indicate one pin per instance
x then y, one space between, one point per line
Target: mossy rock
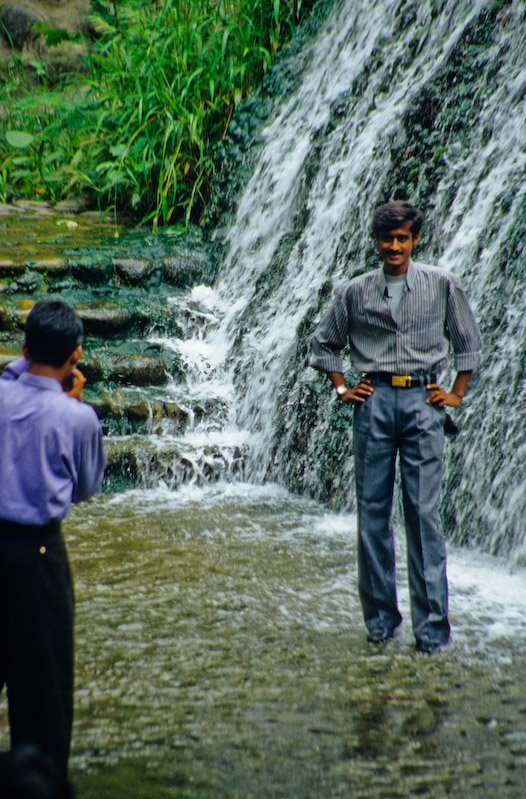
92 369
185 269
137 369
93 271
101 317
11 268
50 266
134 271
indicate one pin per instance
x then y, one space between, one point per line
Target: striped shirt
433 314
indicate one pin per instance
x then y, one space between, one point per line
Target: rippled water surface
221 652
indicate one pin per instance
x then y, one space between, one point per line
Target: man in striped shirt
400 322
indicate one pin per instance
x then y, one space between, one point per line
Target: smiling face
395 248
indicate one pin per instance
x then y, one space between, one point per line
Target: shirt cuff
467 361
327 363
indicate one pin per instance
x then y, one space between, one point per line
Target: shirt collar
410 277
38 381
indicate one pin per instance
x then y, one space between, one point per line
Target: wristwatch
341 390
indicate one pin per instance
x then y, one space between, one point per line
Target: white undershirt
395 288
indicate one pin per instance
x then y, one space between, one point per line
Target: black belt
402 381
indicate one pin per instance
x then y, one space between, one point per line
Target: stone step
146 462
181 269
119 314
123 411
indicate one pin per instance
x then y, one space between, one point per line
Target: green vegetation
138 132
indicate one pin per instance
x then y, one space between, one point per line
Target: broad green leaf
17 138
118 150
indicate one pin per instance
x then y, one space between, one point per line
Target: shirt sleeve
330 337
15 368
90 461
462 329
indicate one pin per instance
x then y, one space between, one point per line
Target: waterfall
386 100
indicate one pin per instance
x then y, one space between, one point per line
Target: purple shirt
50 448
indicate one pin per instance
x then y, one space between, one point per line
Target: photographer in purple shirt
50 456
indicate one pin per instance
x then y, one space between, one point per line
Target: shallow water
221 652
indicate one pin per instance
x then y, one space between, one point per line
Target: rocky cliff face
16 26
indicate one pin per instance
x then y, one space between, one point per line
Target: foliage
139 131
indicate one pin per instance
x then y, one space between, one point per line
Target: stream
221 652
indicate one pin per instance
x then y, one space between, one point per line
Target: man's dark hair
52 331
390 216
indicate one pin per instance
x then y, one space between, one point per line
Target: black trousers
36 638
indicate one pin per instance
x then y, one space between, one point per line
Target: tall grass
138 133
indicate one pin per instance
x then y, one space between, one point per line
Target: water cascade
388 100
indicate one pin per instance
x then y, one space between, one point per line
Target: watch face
341 390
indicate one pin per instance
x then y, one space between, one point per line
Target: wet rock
73 205
34 207
92 369
175 413
185 269
214 407
100 218
138 410
16 23
133 271
92 270
7 210
123 467
11 268
137 369
101 406
5 317
27 283
21 312
101 317
50 266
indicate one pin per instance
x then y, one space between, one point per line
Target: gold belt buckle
401 381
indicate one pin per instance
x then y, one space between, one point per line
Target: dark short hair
392 215
52 332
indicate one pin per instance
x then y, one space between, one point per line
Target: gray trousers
391 421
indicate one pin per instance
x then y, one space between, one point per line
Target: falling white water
302 223
477 205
